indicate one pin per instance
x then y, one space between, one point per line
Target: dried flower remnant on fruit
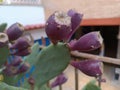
3 39
62 18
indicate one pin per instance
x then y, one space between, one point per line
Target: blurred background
99 15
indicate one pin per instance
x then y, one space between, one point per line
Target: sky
22 14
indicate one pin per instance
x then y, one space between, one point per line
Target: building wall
90 8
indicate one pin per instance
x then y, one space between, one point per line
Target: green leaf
3 27
4 52
51 61
4 86
91 86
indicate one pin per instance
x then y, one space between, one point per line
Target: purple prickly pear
61 79
61 26
92 68
76 19
16 61
15 31
87 42
23 68
23 52
3 39
10 70
21 43
58 26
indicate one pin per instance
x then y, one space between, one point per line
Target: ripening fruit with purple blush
61 79
87 42
21 43
15 31
92 68
3 39
17 60
76 19
58 26
23 68
23 52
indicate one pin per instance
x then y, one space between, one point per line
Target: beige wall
90 8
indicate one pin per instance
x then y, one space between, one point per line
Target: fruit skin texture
21 43
15 31
92 68
58 26
87 42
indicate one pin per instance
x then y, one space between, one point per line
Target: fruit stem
76 79
31 87
60 87
99 81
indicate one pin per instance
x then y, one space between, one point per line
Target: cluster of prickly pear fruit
18 46
60 26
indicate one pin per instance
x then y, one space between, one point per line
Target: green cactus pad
52 61
4 86
4 53
3 27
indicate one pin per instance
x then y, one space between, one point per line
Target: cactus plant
30 67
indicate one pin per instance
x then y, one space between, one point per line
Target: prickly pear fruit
15 31
87 42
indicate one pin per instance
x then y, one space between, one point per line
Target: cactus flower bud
21 43
23 52
15 31
61 79
23 68
87 42
92 68
58 26
3 39
76 19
